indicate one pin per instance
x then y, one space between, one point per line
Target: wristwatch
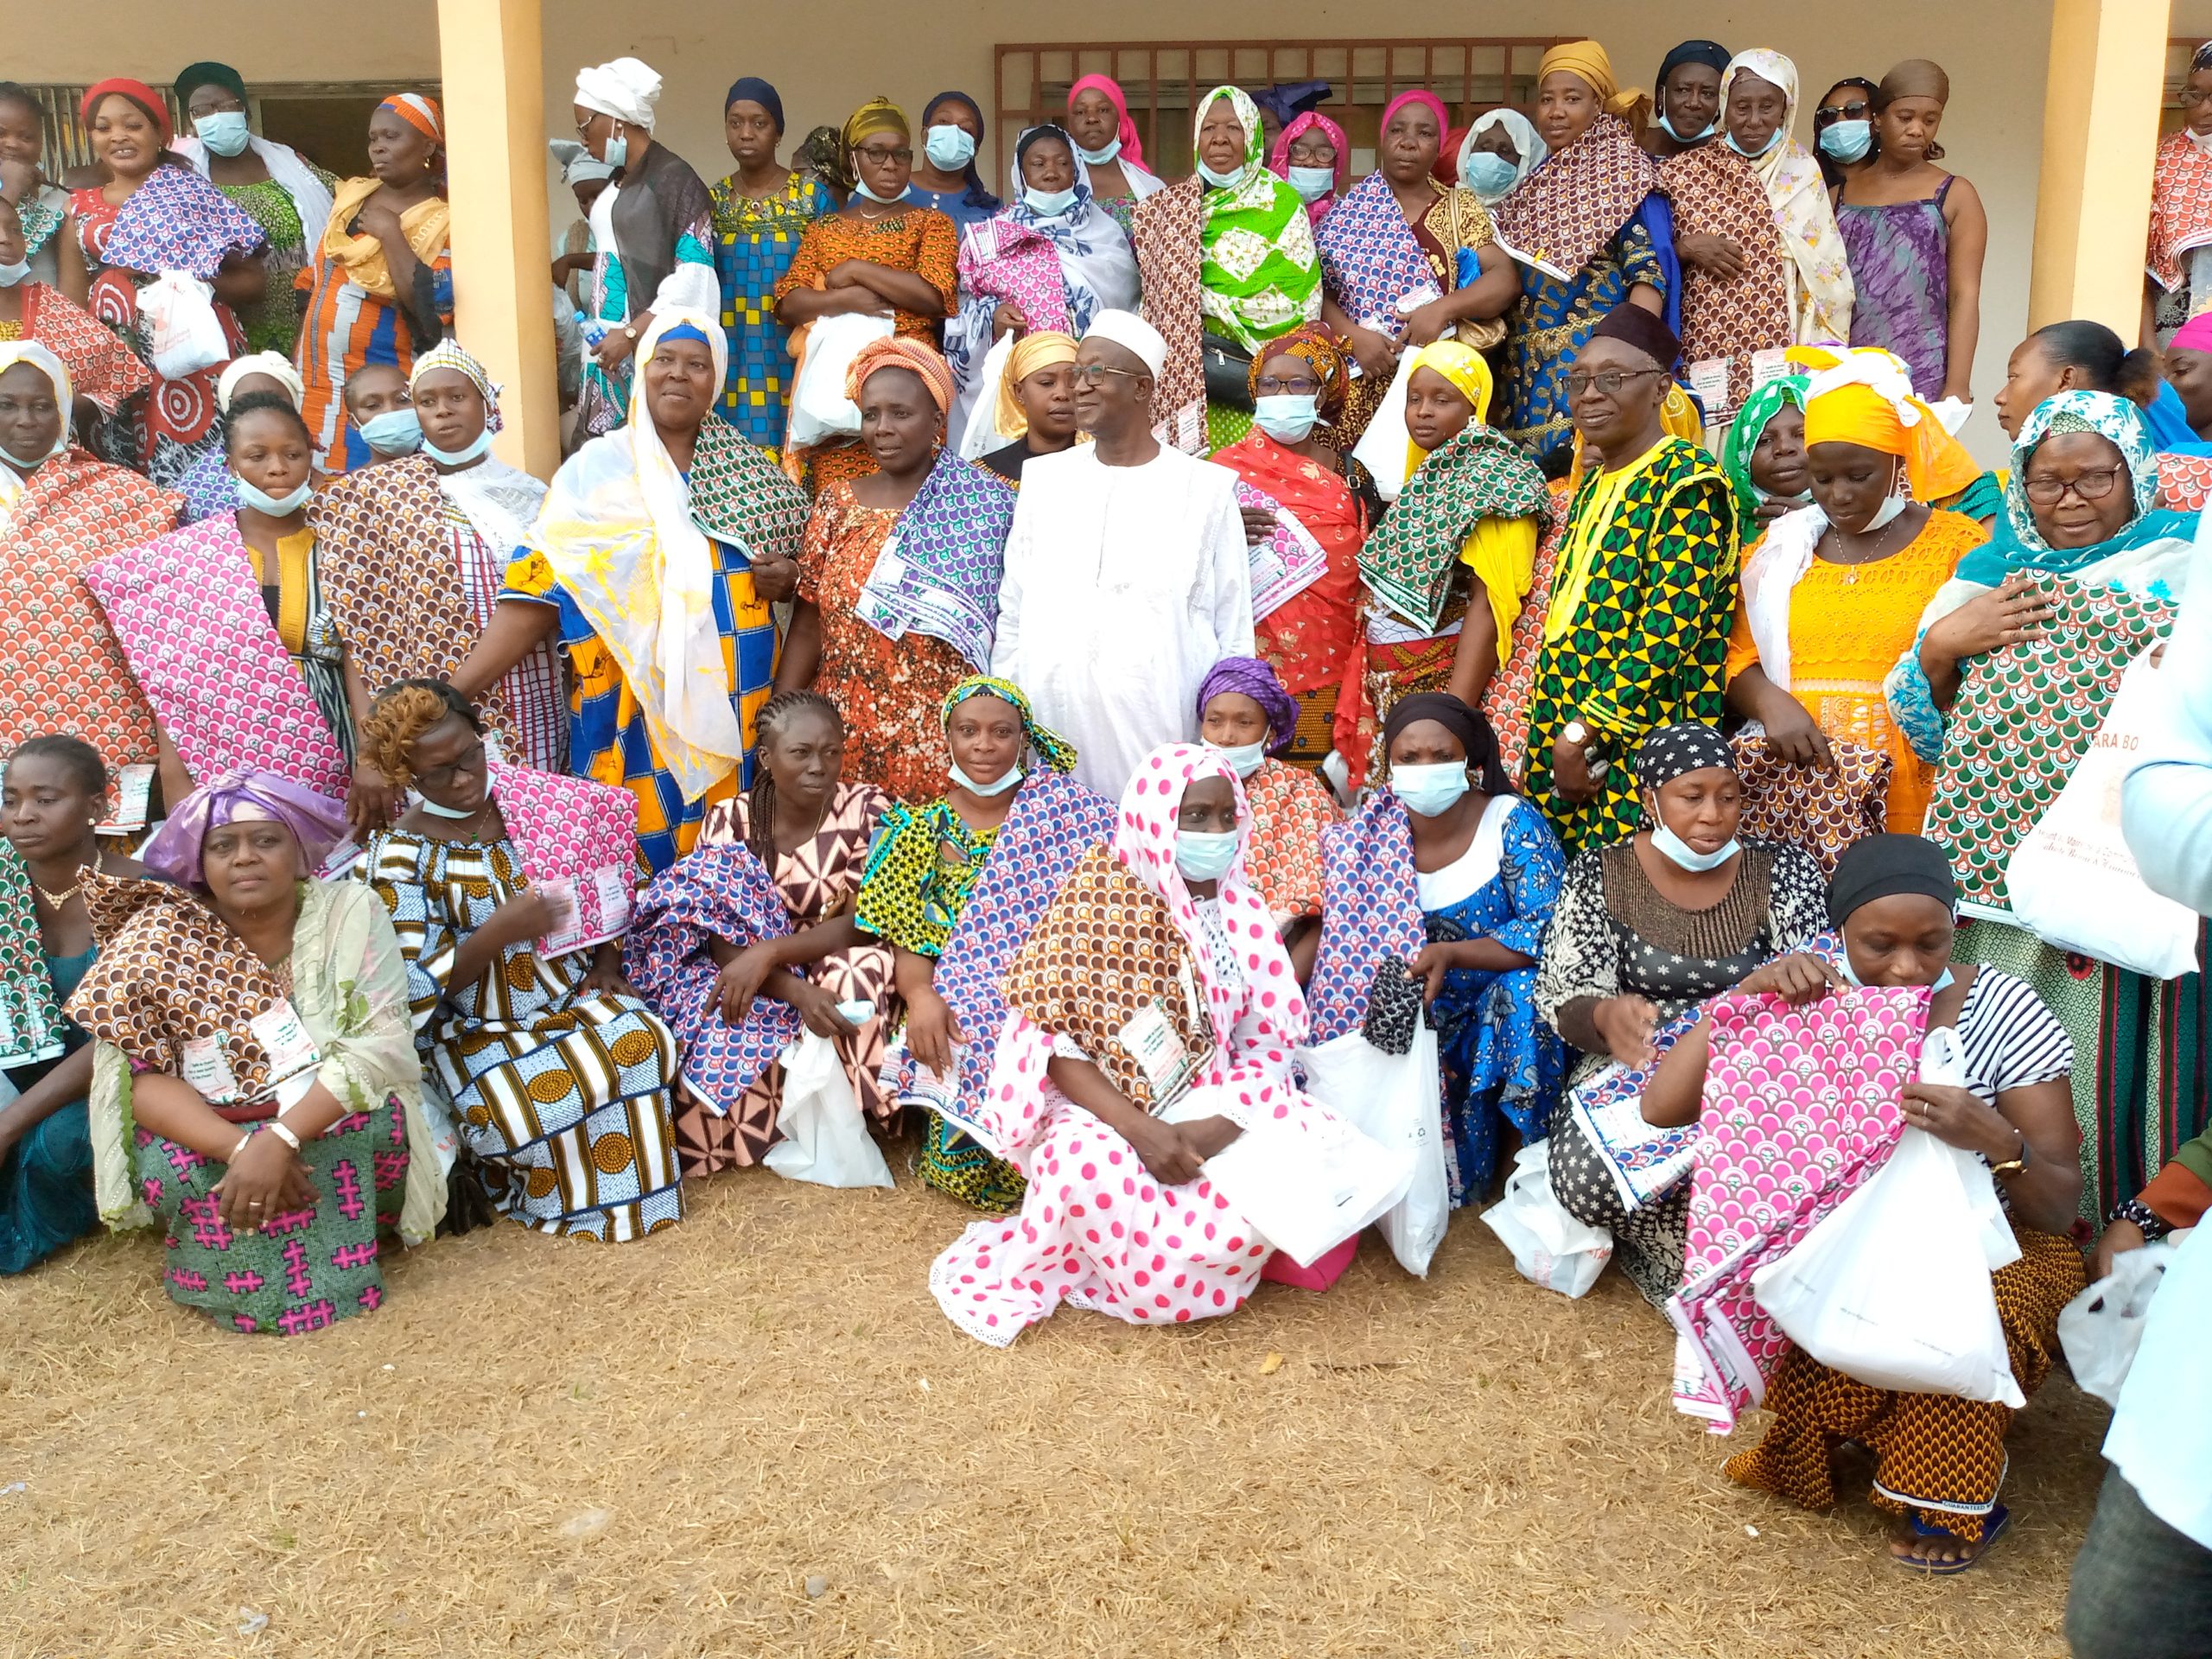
1577 734
630 333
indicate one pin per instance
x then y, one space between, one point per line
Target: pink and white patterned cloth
578 833
1288 562
1095 1228
1801 1106
188 611
1000 260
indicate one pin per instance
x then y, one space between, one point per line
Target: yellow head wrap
1031 353
1864 396
877 115
1589 60
1465 368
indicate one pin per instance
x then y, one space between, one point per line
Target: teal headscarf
2018 545
1055 751
1744 433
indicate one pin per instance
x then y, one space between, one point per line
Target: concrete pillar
491 57
2100 136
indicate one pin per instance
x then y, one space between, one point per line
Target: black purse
1229 370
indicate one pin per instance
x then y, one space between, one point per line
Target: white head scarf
1132 333
275 365
616 527
13 351
1528 143
625 89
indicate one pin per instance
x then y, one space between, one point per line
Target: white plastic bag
980 436
820 408
1382 448
184 335
1398 1100
2102 1328
1550 1247
1892 1288
1305 1188
2072 881
824 1142
1943 1060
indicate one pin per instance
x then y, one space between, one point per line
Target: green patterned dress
272 322
1637 635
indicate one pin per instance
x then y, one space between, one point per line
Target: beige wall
825 57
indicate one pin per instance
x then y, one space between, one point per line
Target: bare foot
1941 1549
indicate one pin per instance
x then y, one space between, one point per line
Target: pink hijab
1131 150
1419 95
1279 162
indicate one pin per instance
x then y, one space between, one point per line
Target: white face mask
1885 514
1245 758
1100 158
997 785
949 148
1680 852
1049 204
475 450
1206 856
1219 180
277 506
1312 183
1943 980
1286 416
1430 792
617 151
11 275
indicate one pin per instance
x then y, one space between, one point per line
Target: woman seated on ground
274 1150
752 936
1295 455
558 1074
1938 1459
1011 816
414 554
1451 565
2028 642
1831 594
1034 407
54 792
1160 929
1486 870
1243 714
1645 929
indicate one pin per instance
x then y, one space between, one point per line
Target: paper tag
7 1025
1769 366
1413 298
615 887
562 892
207 1071
285 1038
294 1089
1709 379
1153 1044
134 795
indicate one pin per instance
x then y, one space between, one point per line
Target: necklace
55 900
1852 563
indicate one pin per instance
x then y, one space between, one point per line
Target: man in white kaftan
1127 571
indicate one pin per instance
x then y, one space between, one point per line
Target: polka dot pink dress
1096 1229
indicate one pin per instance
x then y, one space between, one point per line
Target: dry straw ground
550 1449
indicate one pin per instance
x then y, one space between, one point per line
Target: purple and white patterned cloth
1370 911
1368 257
939 570
177 221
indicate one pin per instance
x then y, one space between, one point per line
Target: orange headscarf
1864 394
897 353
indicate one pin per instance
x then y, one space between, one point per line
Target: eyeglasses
1269 386
882 157
2193 95
1607 382
1827 118
2092 485
1090 374
470 763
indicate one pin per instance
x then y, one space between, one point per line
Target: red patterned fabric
1821 811
99 366
2181 208
61 669
1715 193
2184 482
1166 235
1308 639
1283 854
1505 705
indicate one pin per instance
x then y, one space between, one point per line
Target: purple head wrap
1250 676
316 821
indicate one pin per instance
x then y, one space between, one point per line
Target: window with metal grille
1164 80
327 121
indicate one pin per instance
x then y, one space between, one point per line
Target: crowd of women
1628 678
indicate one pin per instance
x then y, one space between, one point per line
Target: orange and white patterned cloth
1282 853
2181 212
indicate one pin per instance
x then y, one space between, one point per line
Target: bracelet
2154 1225
276 1127
233 1155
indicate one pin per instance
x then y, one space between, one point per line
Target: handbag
1393 1007
1229 371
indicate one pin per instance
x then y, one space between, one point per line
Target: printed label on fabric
134 794
1709 379
207 1071
284 1036
1769 366
615 887
1152 1043
568 934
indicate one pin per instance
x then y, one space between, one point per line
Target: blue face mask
1245 758
1204 857
1680 852
224 131
1943 980
1286 416
1312 183
1753 155
861 187
1100 158
1219 180
1847 141
395 432
1667 122
997 785
477 447
617 151
1488 175
11 275
277 506
1049 204
950 148
1429 791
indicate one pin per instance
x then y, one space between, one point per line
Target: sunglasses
1827 116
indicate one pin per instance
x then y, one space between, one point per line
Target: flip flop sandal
1992 1530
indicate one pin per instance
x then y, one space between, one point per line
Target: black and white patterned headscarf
1670 751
